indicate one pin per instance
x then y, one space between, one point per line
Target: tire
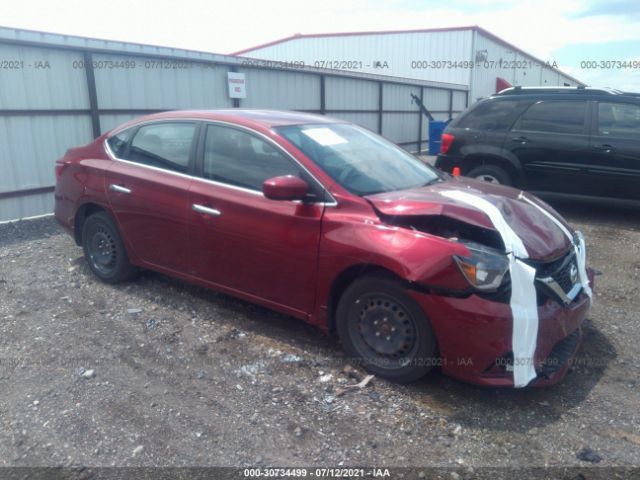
491 174
104 250
402 347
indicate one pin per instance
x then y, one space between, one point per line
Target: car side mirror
286 187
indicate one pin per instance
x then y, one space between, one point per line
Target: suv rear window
554 116
619 120
494 114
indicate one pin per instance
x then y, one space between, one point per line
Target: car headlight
484 268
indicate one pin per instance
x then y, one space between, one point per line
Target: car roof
245 117
564 93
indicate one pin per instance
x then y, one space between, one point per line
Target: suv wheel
385 331
104 250
491 174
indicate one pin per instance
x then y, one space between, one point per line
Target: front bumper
474 337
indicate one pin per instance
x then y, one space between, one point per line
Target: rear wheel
491 174
104 250
385 331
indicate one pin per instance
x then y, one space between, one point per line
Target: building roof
35 38
475 28
347 34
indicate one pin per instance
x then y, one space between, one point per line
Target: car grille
558 280
553 281
562 272
563 277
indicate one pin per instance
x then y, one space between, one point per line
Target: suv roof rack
519 90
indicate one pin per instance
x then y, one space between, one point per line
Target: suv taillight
446 141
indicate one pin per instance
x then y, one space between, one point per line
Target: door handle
522 140
119 188
605 146
206 210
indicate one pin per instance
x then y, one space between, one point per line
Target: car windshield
359 160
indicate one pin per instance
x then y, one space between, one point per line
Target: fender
492 152
349 242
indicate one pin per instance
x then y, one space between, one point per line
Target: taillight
445 142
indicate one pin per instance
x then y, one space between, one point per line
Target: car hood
541 236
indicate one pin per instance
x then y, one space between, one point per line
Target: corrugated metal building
59 91
467 56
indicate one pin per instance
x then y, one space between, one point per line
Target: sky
567 32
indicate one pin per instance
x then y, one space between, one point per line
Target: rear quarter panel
81 181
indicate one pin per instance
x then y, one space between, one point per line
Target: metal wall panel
484 78
346 94
29 147
562 79
82 43
282 90
400 127
535 73
150 83
390 54
21 207
367 120
107 122
37 78
549 77
440 117
459 101
436 99
398 97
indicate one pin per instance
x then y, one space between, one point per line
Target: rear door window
493 115
619 120
554 116
118 142
163 145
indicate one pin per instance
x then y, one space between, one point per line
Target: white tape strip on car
580 248
524 307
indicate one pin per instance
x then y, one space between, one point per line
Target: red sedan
328 222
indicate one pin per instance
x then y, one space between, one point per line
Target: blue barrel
435 135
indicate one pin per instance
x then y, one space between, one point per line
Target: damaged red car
328 222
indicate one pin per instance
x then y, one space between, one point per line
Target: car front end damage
475 335
519 321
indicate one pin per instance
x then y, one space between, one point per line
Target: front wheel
385 331
104 250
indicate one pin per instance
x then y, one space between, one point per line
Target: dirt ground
158 372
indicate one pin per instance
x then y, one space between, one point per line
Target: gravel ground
159 372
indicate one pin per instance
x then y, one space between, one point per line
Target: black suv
569 141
